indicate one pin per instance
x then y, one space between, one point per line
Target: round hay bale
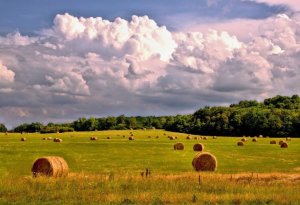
108 138
179 146
254 140
23 139
149 136
52 166
198 147
44 138
288 139
240 143
273 142
157 137
260 136
204 161
214 137
243 139
204 138
188 137
280 142
172 138
49 138
195 138
57 140
284 145
131 138
93 138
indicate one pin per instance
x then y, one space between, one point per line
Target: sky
94 58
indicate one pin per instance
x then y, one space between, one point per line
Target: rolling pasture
109 171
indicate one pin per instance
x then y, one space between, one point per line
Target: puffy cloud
140 37
16 39
6 76
91 66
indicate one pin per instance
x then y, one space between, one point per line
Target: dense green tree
2 128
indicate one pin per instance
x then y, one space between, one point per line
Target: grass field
107 171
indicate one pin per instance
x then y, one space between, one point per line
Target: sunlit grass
108 171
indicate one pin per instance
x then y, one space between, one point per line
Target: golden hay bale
157 137
198 147
284 145
23 139
108 138
52 166
172 138
93 138
179 146
280 142
49 138
195 138
254 140
243 139
204 161
273 142
57 140
204 138
288 139
214 137
149 136
131 138
240 143
260 136
188 137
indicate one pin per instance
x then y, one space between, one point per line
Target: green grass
121 155
108 171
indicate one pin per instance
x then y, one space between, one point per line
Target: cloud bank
95 67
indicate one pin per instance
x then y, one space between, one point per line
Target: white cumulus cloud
6 75
92 66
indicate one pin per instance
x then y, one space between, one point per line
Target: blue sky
61 60
32 15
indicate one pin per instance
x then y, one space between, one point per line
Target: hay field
110 170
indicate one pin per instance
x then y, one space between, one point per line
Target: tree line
277 116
